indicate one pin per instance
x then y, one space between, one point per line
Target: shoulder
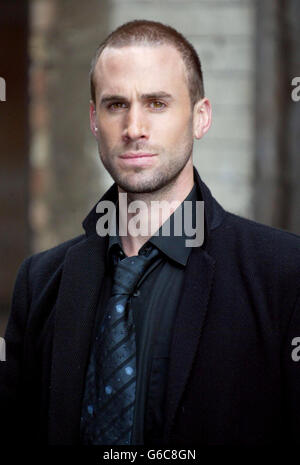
260 235
43 267
37 283
54 256
261 250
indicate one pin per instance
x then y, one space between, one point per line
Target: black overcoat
234 374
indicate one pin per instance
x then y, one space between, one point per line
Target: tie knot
129 271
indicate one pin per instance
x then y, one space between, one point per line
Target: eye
157 105
116 106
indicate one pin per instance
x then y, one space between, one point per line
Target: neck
140 220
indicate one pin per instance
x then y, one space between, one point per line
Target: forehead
142 67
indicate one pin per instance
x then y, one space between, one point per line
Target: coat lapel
189 321
75 312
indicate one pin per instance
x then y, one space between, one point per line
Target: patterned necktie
109 401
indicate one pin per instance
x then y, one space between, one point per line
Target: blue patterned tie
109 401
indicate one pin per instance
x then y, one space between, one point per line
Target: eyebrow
153 95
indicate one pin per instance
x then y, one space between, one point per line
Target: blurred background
51 175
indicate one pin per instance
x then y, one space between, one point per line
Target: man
208 335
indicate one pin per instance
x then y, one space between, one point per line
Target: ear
202 117
93 119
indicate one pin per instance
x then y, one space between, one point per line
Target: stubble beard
160 179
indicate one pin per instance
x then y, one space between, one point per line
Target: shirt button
136 293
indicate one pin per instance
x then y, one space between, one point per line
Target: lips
132 155
138 159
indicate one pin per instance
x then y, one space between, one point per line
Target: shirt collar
172 246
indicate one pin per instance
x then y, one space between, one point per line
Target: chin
144 181
138 187
143 185
136 184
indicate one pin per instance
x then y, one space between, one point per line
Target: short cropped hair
139 32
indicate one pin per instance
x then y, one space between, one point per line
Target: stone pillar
67 177
277 192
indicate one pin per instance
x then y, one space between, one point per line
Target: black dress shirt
154 305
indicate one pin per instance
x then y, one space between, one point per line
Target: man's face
143 120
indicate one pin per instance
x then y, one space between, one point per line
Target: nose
135 124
